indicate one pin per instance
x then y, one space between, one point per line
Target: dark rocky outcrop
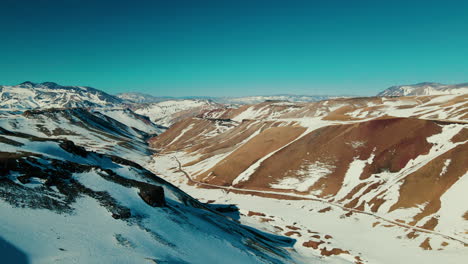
224 208
153 195
72 148
122 214
24 179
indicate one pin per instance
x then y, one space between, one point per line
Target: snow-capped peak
425 88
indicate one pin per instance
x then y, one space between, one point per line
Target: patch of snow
304 178
452 209
444 169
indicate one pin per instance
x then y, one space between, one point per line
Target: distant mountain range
146 98
142 98
29 95
425 88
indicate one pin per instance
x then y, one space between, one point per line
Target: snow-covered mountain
30 95
60 203
425 88
119 133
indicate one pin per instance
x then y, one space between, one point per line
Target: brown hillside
261 145
394 141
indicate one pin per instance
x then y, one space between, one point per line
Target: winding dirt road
417 229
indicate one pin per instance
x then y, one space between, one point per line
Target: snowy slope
425 88
30 95
63 204
132 119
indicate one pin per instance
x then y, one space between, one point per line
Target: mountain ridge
425 88
29 95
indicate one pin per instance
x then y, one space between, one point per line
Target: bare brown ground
461 136
333 251
324 210
252 213
278 228
412 235
198 128
426 245
312 244
290 233
430 224
358 260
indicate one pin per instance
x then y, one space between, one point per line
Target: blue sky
234 48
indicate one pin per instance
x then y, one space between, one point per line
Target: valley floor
329 232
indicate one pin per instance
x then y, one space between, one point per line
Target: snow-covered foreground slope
62 204
383 163
30 95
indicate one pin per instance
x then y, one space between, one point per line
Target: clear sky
234 48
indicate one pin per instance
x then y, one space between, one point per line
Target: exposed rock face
224 208
72 148
153 195
122 214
